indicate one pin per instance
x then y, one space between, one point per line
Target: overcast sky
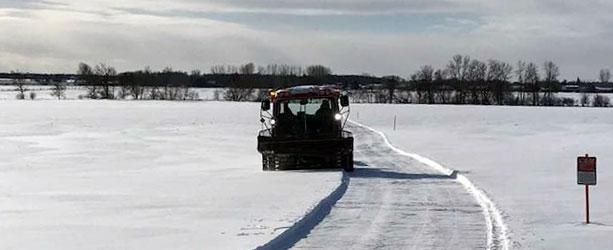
351 36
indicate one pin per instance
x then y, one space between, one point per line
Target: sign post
586 175
587 204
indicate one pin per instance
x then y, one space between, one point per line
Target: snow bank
143 175
522 157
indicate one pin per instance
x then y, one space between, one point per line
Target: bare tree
601 101
604 76
168 91
218 69
551 73
318 71
285 70
444 92
585 99
247 69
425 91
532 79
297 71
476 76
272 69
458 68
426 73
238 94
498 75
20 83
59 89
502 71
188 92
261 70
106 79
86 75
391 84
232 69
520 72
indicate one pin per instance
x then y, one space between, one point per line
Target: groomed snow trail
396 202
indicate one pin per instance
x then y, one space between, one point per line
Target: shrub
32 95
585 99
567 101
238 94
601 101
192 96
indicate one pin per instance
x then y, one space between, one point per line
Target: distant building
570 88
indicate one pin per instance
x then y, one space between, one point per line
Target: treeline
463 80
471 81
103 81
272 69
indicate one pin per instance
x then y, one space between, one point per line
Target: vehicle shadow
359 163
386 174
314 170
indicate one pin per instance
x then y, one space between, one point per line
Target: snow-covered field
43 92
82 174
143 175
524 158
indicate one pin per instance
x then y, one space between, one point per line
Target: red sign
586 170
586 175
586 164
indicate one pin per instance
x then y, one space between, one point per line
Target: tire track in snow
302 227
497 231
396 202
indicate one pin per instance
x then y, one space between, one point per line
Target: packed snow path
395 202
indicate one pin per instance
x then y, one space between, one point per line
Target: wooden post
394 123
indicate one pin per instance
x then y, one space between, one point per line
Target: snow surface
143 175
172 175
43 92
396 202
524 158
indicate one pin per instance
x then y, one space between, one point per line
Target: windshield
306 117
308 106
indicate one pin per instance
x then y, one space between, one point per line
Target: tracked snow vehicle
303 129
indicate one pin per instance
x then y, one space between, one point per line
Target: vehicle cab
305 128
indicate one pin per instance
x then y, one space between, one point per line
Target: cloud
353 6
30 4
49 41
352 36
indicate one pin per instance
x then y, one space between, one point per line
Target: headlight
273 121
338 117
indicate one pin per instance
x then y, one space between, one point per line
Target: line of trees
465 80
103 82
272 70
